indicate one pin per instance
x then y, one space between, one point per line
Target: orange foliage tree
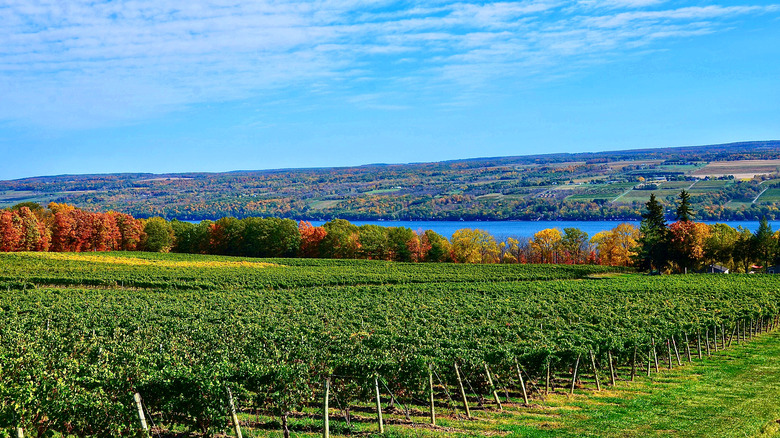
618 246
311 238
10 231
688 240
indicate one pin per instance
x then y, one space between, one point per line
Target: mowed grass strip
735 393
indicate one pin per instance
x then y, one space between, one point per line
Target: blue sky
161 86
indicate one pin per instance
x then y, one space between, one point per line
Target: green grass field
771 195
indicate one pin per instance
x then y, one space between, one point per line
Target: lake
503 229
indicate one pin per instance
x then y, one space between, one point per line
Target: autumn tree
130 231
34 236
510 250
311 239
341 240
439 248
10 231
63 227
419 247
687 241
545 245
474 246
226 236
618 246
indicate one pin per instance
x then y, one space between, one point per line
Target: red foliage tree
10 231
130 231
63 228
311 238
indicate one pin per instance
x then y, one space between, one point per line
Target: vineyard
92 343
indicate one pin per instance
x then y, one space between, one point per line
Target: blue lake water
503 229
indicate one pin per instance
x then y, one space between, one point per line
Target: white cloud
90 63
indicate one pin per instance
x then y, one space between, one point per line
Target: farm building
717 269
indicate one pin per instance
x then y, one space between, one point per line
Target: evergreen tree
684 212
764 243
654 237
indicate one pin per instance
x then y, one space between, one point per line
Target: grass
323 204
382 191
713 184
733 393
771 195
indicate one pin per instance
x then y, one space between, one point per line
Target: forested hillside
727 182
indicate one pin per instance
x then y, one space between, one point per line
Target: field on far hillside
583 186
598 351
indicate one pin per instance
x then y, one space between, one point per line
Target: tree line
682 246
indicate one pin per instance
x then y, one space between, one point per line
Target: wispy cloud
89 63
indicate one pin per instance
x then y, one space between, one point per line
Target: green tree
438 247
764 243
158 235
719 246
342 240
270 237
744 249
374 243
575 243
399 239
684 212
654 237
191 238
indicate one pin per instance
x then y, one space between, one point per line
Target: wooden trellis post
522 383
378 405
493 388
698 342
611 368
649 360
715 336
433 406
595 372
655 356
326 411
688 348
141 416
462 392
676 352
574 374
233 416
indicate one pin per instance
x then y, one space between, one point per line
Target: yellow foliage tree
474 246
545 245
618 246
